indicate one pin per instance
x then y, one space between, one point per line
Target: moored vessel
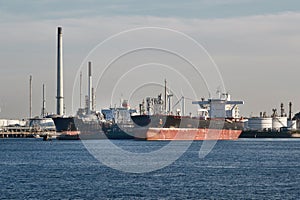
218 119
118 123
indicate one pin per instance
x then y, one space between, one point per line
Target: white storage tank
292 124
278 122
260 123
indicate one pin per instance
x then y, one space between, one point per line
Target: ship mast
182 106
80 89
165 95
90 93
44 102
30 96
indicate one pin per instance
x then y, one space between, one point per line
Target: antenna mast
30 96
80 89
44 103
165 95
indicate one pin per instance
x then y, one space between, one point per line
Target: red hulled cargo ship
191 134
217 119
171 127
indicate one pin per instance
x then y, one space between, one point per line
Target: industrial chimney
290 111
60 92
282 112
90 93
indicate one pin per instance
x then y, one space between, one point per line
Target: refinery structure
109 122
275 122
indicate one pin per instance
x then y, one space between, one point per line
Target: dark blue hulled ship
65 127
112 123
118 123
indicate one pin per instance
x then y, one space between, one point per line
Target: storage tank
278 122
260 123
292 124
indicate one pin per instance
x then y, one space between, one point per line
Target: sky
255 45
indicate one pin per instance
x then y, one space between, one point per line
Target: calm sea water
243 169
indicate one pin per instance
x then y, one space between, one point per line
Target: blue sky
255 43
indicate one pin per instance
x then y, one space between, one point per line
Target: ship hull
270 134
117 131
186 134
63 124
68 127
68 135
169 127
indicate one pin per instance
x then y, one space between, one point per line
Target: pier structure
34 127
24 132
14 132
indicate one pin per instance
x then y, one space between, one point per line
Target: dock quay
25 132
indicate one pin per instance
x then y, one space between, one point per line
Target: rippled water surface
256 169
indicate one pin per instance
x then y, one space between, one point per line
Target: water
248 169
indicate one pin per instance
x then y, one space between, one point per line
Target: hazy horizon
255 45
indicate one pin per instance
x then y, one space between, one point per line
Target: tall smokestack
290 111
60 92
282 110
90 93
